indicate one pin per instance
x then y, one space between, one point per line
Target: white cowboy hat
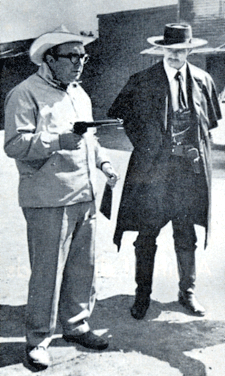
58 36
177 35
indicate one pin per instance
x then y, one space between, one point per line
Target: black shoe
89 340
139 308
189 301
38 357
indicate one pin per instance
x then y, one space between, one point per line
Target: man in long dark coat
168 111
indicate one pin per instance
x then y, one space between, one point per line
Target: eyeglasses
75 58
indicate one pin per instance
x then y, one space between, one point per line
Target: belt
180 150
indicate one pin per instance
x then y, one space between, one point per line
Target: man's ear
50 59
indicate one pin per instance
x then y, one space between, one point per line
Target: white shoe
38 356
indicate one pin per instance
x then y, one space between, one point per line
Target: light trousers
61 249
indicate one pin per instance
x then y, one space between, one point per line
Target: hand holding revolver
80 127
69 141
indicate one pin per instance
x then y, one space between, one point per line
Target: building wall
122 36
208 8
208 21
202 8
15 67
207 18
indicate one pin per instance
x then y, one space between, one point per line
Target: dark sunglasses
75 58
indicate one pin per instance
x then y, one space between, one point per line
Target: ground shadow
12 324
218 160
165 340
219 147
12 321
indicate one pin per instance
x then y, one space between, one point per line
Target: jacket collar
45 73
171 72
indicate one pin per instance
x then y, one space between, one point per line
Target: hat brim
159 41
49 40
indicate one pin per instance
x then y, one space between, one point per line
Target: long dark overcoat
143 105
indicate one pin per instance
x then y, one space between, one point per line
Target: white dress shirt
171 72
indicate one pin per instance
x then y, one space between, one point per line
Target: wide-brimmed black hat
177 35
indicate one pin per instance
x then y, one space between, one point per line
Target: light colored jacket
36 112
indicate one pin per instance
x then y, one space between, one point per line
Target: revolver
81 127
193 155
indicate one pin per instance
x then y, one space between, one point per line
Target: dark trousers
185 245
175 194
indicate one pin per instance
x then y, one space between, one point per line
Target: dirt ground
169 341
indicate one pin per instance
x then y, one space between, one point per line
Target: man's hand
110 174
69 141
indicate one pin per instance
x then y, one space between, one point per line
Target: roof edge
137 11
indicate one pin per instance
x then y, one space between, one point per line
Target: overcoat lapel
164 111
194 91
161 96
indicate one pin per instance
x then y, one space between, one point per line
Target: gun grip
80 127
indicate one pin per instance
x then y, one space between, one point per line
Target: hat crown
176 36
177 33
61 29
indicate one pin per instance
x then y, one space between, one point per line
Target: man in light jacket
168 111
57 189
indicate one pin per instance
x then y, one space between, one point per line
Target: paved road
168 341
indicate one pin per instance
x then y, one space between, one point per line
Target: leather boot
140 306
188 300
144 272
187 274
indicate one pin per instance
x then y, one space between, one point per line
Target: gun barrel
97 123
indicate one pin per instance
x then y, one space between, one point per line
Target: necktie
181 97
